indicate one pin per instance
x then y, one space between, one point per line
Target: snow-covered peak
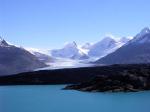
103 47
86 46
142 37
71 45
3 42
70 50
107 40
145 30
106 46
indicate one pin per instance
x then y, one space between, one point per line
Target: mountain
106 46
41 56
15 59
124 40
86 46
136 51
70 50
100 49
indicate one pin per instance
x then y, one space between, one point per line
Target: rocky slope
41 56
15 59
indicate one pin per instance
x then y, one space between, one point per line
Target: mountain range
136 51
108 50
99 49
105 46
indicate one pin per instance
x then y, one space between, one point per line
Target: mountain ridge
136 50
15 59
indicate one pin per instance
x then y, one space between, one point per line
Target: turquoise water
52 99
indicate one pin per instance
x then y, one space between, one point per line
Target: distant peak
72 44
124 39
3 42
145 30
86 46
142 37
108 39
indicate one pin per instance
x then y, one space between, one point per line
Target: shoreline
113 78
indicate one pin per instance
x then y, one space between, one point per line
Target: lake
50 98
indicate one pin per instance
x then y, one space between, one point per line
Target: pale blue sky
51 23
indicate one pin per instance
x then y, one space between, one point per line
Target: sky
48 24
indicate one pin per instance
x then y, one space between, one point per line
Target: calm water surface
51 98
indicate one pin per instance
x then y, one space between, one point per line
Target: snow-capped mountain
142 37
136 50
15 59
106 46
100 49
86 46
70 50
